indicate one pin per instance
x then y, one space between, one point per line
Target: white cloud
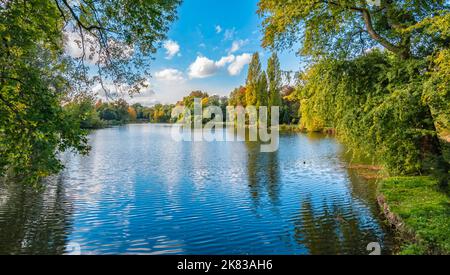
172 48
169 75
146 96
237 45
239 63
218 29
145 92
202 67
225 60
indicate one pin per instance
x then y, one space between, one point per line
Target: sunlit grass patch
424 210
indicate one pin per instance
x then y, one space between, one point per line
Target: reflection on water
139 192
34 221
263 173
345 232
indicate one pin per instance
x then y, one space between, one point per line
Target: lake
141 192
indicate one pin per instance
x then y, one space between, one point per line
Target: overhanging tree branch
77 19
402 51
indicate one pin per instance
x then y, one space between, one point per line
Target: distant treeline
261 89
93 114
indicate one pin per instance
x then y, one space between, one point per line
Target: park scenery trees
378 76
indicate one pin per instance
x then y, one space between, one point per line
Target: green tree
139 109
121 109
238 97
37 78
381 114
108 113
275 80
253 78
188 101
83 111
262 91
345 28
161 113
289 113
33 124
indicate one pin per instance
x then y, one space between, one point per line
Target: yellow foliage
132 113
310 120
205 101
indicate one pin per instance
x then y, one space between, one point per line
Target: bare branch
77 19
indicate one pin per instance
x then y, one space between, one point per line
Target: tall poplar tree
263 96
275 80
253 78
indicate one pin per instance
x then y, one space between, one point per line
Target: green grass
424 210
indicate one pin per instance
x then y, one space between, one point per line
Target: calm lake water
140 192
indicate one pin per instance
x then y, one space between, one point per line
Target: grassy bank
421 213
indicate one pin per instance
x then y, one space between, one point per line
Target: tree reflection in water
34 221
263 174
344 233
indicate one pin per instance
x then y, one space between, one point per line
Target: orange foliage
132 113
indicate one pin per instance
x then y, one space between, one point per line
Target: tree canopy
347 28
37 76
253 78
275 80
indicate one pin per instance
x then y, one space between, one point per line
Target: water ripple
139 192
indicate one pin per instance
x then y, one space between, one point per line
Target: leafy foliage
37 77
83 111
375 104
379 74
161 113
116 112
253 79
262 91
345 28
33 124
275 80
117 36
238 97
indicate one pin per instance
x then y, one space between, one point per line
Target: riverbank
419 211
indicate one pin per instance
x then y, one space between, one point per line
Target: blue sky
208 49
